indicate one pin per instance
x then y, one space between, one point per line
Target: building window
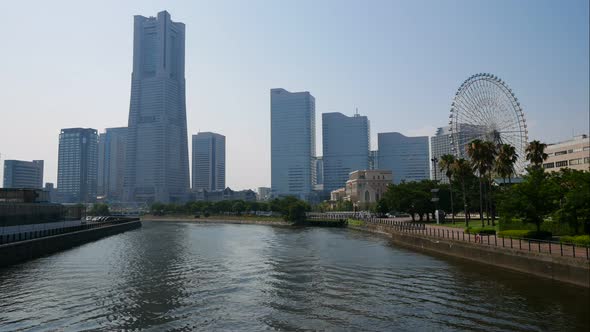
549 165
559 153
576 161
586 148
587 160
561 163
367 196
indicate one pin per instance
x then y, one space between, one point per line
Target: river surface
170 276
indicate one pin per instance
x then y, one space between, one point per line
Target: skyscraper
292 128
23 174
440 144
208 161
112 145
346 147
157 147
77 165
406 157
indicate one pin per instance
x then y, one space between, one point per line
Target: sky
68 64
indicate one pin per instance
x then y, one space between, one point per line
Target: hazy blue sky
68 64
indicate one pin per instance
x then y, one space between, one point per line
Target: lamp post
434 161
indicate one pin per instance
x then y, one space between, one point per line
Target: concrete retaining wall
13 253
565 269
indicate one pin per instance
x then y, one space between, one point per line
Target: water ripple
182 277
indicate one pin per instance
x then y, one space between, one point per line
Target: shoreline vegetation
248 220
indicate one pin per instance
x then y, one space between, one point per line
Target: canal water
182 276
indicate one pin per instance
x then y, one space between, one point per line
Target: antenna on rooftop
356 111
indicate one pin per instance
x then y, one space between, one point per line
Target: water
183 276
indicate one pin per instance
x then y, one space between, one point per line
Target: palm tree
535 153
462 169
446 165
505 161
482 155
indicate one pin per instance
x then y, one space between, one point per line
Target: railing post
495 240
511 242
539 243
550 247
529 241
574 249
561 248
502 242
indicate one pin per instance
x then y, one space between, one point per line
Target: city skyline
545 61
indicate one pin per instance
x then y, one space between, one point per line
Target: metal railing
30 235
522 244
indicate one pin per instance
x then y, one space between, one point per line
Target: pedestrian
477 238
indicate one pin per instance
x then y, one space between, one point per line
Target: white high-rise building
208 161
407 157
77 165
292 118
112 145
157 149
346 146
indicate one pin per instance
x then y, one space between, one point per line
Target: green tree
574 198
238 207
296 212
535 153
99 209
482 155
446 165
505 161
462 171
532 200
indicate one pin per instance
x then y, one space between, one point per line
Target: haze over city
399 63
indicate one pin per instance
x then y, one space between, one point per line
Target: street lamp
434 163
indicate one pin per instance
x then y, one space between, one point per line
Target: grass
583 240
354 222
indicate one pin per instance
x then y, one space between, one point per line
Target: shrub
525 234
479 230
583 240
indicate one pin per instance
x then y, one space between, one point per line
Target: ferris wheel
485 108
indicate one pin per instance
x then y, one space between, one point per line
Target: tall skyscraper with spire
156 168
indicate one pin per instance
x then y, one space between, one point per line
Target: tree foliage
99 209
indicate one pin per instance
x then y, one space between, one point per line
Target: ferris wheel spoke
485 108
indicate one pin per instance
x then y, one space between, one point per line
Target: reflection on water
182 276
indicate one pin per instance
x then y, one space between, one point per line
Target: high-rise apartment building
208 161
292 118
407 157
112 149
157 149
346 146
23 174
77 165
